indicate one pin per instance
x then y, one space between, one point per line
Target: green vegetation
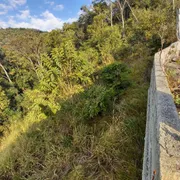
73 101
172 69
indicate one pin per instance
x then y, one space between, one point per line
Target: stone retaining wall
162 141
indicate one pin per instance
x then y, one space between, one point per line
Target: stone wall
162 141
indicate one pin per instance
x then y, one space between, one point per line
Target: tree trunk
121 8
131 10
174 5
111 14
123 23
5 73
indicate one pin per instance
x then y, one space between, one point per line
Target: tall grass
63 146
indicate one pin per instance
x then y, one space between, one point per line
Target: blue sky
39 14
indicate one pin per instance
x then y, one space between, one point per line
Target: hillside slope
73 101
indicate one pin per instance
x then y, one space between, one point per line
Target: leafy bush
116 76
98 98
93 101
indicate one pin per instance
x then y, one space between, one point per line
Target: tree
28 46
6 73
3 68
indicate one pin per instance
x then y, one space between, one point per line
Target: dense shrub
96 99
116 76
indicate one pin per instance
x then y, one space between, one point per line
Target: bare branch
131 10
5 73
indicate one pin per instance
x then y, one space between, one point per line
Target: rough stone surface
162 140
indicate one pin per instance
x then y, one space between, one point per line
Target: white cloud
3 12
70 20
4 8
10 4
3 24
15 3
55 7
24 14
48 15
59 7
49 2
46 22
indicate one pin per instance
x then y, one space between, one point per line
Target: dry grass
110 147
64 148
